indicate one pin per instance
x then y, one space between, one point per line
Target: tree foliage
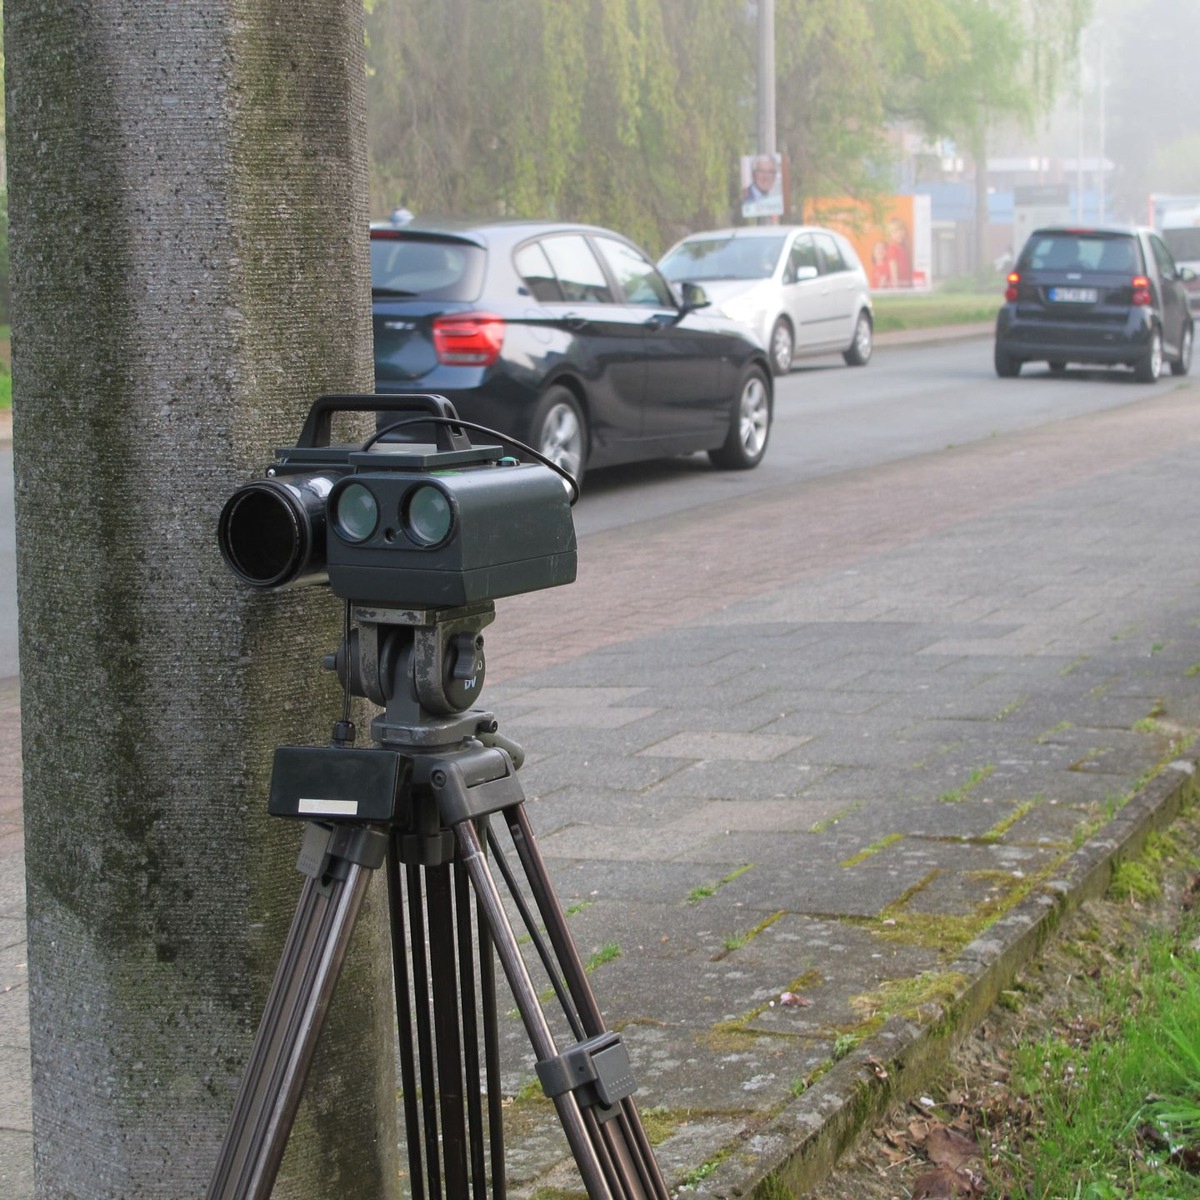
1149 48
634 113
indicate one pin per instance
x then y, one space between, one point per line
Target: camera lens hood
272 531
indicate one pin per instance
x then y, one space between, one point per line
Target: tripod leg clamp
327 850
597 1070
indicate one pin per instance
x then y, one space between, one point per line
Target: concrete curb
800 1146
935 335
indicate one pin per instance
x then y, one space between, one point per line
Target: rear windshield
1184 244
1080 252
724 258
432 268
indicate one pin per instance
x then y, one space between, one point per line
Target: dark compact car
568 338
1103 295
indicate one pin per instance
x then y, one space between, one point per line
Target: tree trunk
188 229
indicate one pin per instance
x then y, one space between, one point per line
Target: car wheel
783 347
1149 367
1007 367
750 426
560 431
859 353
1183 364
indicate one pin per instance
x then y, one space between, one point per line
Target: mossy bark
188 217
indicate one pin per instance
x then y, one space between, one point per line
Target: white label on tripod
317 808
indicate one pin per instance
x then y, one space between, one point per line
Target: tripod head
424 667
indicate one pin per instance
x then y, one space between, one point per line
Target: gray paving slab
860 785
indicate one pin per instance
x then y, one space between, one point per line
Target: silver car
800 288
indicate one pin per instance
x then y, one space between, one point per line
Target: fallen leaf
948 1148
918 1130
1187 1158
942 1184
794 1001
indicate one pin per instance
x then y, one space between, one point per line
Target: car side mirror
694 296
1186 275
803 273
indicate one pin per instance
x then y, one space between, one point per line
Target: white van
1181 233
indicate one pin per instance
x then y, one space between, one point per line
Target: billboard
893 236
762 185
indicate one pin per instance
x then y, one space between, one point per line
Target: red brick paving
678 570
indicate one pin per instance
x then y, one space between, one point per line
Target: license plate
1065 295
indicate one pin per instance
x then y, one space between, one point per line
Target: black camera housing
400 523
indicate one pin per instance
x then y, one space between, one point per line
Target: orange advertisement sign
893 237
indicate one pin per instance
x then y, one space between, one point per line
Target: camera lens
261 537
356 513
428 516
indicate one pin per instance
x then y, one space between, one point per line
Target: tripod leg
632 1148
491 1049
424 1030
297 1006
404 1024
446 1001
470 1029
540 1037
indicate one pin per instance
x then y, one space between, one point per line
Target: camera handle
449 436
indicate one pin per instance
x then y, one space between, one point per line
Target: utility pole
766 76
1102 155
766 89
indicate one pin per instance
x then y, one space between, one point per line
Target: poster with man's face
762 185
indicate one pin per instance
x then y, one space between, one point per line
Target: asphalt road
828 418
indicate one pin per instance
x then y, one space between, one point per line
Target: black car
1102 295
567 338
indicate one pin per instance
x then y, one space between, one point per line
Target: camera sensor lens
356 513
428 516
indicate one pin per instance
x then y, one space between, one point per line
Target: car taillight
1010 292
1141 290
468 339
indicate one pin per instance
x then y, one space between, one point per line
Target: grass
976 777
5 369
924 310
1121 1110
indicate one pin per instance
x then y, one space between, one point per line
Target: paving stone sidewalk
856 741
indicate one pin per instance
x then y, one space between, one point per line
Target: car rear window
1100 252
724 258
405 264
580 276
640 282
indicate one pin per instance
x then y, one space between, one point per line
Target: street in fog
828 418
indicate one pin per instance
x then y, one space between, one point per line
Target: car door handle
661 320
575 321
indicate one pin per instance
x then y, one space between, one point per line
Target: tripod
421 805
